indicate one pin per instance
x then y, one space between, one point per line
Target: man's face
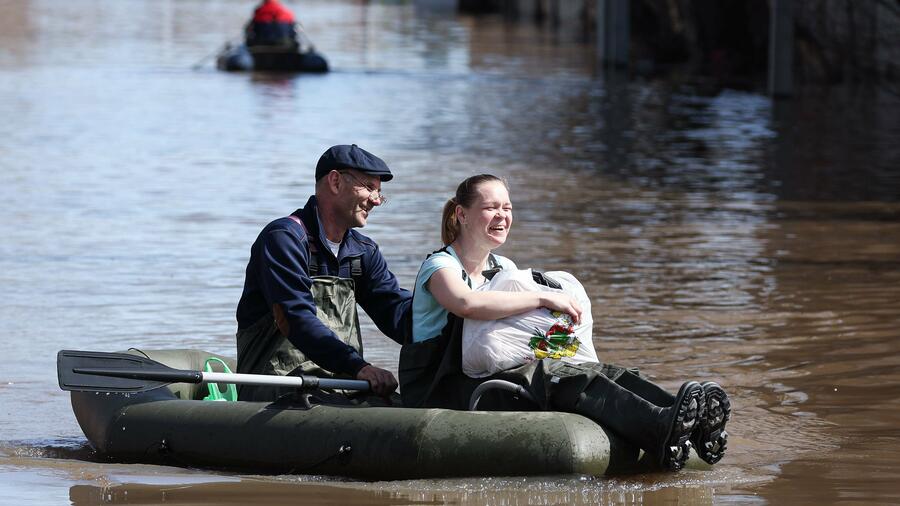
360 193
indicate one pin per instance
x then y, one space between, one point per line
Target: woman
475 222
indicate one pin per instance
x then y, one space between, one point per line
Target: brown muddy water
720 236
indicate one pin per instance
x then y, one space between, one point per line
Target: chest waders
430 371
263 349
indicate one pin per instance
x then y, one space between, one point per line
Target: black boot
710 437
680 421
661 432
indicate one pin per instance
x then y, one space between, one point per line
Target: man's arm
388 305
285 283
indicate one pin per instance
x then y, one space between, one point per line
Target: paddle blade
92 371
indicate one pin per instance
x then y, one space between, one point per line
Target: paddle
95 371
301 31
202 61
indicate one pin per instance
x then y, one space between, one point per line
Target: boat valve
344 453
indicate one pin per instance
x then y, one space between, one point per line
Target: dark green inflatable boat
270 59
173 425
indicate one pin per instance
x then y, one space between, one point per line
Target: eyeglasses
374 193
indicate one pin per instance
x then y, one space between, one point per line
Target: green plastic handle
214 393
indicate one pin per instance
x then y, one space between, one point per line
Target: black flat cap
343 156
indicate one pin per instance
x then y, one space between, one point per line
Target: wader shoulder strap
542 279
313 249
356 267
493 266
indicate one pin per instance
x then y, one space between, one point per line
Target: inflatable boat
171 424
270 59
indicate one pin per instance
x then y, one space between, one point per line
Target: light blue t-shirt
429 317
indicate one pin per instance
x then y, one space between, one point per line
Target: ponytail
449 223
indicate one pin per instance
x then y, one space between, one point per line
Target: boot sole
688 404
711 439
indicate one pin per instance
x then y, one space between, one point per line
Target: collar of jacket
353 244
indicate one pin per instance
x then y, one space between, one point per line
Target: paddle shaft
186 376
302 32
203 60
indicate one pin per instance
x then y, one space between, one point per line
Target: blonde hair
466 193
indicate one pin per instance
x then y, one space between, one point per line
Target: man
306 273
272 25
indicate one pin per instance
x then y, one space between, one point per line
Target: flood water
720 235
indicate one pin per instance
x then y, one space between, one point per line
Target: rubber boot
710 439
646 389
664 433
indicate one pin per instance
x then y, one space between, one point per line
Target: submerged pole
781 48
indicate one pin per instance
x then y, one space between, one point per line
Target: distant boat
270 59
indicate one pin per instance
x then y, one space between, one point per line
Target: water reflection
503 492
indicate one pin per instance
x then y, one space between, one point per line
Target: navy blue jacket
278 272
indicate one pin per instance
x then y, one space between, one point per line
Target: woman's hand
562 303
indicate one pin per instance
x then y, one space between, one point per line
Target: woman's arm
454 294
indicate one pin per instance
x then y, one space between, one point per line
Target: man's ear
334 181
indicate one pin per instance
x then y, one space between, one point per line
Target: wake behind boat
304 435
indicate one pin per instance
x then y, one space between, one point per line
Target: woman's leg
645 389
661 431
710 437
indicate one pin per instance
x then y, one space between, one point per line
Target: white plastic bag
491 346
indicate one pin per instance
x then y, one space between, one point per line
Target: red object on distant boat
272 11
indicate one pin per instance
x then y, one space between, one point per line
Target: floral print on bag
558 341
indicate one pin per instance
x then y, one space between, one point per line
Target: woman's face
489 218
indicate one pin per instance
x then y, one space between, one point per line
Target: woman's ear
460 215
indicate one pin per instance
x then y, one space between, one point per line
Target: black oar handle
170 376
87 371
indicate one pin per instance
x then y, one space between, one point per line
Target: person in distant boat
476 221
306 274
273 24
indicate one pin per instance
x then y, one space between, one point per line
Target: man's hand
382 381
